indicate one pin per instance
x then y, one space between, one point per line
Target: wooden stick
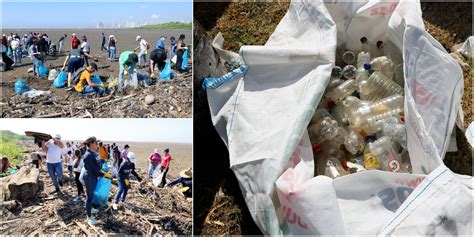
118 99
83 228
50 115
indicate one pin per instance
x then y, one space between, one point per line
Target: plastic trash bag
144 79
132 82
60 80
21 87
52 75
157 176
166 72
184 64
96 79
102 190
34 93
9 52
42 69
262 117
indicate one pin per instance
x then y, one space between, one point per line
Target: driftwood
21 185
12 204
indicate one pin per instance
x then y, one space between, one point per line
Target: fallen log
23 184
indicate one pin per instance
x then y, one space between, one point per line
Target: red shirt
166 159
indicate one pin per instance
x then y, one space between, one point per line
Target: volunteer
54 150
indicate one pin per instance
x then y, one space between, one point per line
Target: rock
149 99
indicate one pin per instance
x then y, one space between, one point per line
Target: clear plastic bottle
398 75
329 166
362 73
336 72
349 58
382 64
397 133
380 125
349 72
378 86
318 115
322 131
383 108
387 154
370 159
334 82
354 142
363 58
342 91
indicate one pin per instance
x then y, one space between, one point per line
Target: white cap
58 136
111 36
138 37
156 150
73 34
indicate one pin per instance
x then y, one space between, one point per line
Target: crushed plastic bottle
378 86
318 115
349 72
348 58
322 131
354 142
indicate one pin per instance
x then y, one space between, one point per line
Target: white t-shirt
15 44
86 47
80 166
53 155
143 44
69 159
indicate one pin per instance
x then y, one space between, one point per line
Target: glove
102 85
108 176
127 183
153 75
125 73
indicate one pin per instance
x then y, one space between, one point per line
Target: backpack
77 75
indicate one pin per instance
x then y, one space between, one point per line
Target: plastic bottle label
394 166
371 161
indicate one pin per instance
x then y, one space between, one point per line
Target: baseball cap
58 136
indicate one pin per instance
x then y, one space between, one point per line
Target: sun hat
186 173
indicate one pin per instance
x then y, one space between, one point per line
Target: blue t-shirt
125 170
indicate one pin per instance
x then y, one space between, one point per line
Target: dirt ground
172 98
148 210
221 208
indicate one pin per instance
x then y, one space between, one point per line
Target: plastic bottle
318 115
342 91
322 131
370 159
382 64
377 87
380 125
387 154
334 82
383 108
398 75
336 72
354 142
349 72
363 58
329 166
362 73
397 133
349 58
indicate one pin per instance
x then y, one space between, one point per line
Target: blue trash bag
60 80
9 52
102 190
184 64
166 73
21 87
42 69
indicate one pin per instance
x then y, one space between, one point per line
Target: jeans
35 63
61 46
80 189
121 74
17 55
69 167
142 58
90 90
151 169
112 53
55 171
122 191
91 183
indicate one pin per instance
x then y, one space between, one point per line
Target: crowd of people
78 65
92 159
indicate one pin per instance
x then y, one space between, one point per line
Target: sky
86 14
134 130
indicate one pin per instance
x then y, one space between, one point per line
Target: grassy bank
9 146
168 26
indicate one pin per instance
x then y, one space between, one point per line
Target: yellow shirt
83 80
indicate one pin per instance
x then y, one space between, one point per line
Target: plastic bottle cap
370 138
402 118
316 147
344 164
367 66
